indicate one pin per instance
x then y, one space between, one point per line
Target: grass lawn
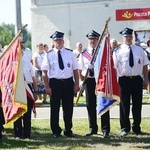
146 100
43 140
81 102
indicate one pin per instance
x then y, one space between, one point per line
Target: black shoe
69 134
105 135
124 133
45 102
55 136
91 133
139 133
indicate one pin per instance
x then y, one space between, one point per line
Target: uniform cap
126 32
93 35
57 35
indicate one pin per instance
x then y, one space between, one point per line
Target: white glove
91 66
82 86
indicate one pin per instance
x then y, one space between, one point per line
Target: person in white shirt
148 56
61 65
37 59
131 63
45 48
22 126
84 62
78 50
27 52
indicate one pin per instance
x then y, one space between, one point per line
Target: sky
8 12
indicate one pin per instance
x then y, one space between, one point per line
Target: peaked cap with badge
93 35
57 35
126 32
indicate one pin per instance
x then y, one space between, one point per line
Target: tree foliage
7 33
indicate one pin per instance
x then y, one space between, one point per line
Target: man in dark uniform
60 65
131 63
84 62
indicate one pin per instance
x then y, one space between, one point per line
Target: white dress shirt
28 71
39 58
121 60
50 63
85 62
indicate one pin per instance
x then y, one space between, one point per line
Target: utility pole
18 16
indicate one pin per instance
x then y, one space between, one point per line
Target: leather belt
61 79
131 76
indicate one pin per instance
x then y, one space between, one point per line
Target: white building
78 17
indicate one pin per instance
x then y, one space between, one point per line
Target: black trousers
62 91
2 121
130 87
105 122
22 126
91 104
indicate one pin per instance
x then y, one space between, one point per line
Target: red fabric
31 96
8 77
107 79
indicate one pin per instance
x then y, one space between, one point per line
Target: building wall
78 17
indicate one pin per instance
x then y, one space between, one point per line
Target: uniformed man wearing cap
84 62
62 66
131 63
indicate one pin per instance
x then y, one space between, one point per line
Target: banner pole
93 57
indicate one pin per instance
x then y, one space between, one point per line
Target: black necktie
93 51
131 60
60 61
91 71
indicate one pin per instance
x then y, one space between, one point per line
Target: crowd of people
59 72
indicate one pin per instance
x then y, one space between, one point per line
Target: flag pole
93 57
14 39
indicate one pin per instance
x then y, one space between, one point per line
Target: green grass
43 140
81 102
146 100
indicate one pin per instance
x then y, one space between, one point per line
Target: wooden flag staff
93 57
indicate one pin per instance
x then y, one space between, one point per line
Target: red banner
12 83
107 87
132 14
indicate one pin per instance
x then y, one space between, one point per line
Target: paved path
81 112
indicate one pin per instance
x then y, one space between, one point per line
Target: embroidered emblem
139 61
68 65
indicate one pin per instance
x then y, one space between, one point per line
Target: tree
7 33
27 38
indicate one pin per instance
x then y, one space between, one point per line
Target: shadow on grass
43 138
